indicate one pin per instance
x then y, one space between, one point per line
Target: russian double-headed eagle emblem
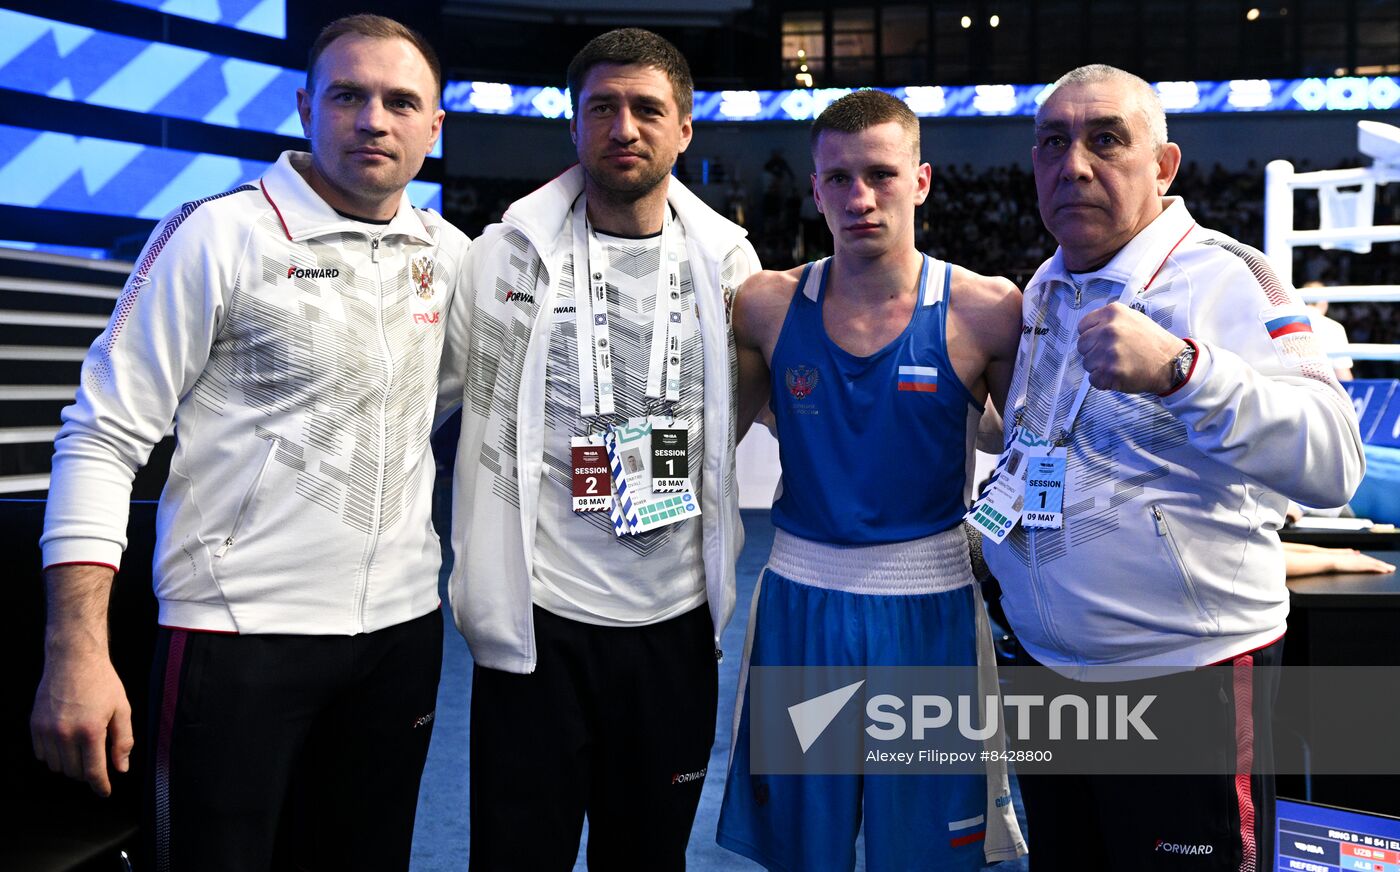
422 270
801 380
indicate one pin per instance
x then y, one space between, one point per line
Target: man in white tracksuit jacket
596 651
292 330
502 421
1203 407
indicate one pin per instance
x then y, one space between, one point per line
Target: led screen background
103 174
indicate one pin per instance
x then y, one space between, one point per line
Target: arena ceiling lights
970 101
69 62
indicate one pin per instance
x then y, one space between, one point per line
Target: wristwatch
1181 365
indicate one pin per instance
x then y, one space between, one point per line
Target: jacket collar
1155 241
305 215
541 215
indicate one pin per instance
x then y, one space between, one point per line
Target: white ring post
1278 217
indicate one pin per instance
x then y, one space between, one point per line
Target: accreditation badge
637 506
670 456
592 483
997 511
1045 488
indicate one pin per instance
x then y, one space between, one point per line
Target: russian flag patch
923 379
1291 334
967 831
1288 324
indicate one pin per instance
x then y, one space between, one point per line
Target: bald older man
1172 384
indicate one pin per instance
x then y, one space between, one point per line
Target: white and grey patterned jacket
514 278
297 354
1168 558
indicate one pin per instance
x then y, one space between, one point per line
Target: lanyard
591 319
1139 280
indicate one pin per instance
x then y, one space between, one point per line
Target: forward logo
1165 847
687 777
320 273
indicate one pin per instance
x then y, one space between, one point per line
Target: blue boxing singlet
874 449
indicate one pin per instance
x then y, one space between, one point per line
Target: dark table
1361 590
1385 539
1345 619
55 822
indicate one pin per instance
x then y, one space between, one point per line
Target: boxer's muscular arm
760 308
984 329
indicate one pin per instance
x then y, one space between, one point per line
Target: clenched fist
1124 350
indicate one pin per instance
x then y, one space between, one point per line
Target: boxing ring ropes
1347 222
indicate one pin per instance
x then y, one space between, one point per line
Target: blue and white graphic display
83 251
268 17
48 170
969 101
1319 838
83 65
68 62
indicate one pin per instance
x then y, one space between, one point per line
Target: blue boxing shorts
901 604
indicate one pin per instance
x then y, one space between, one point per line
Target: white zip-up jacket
297 353
1169 557
515 272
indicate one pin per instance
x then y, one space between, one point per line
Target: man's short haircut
1151 104
374 27
863 109
634 46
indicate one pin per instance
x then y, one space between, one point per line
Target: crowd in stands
987 220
